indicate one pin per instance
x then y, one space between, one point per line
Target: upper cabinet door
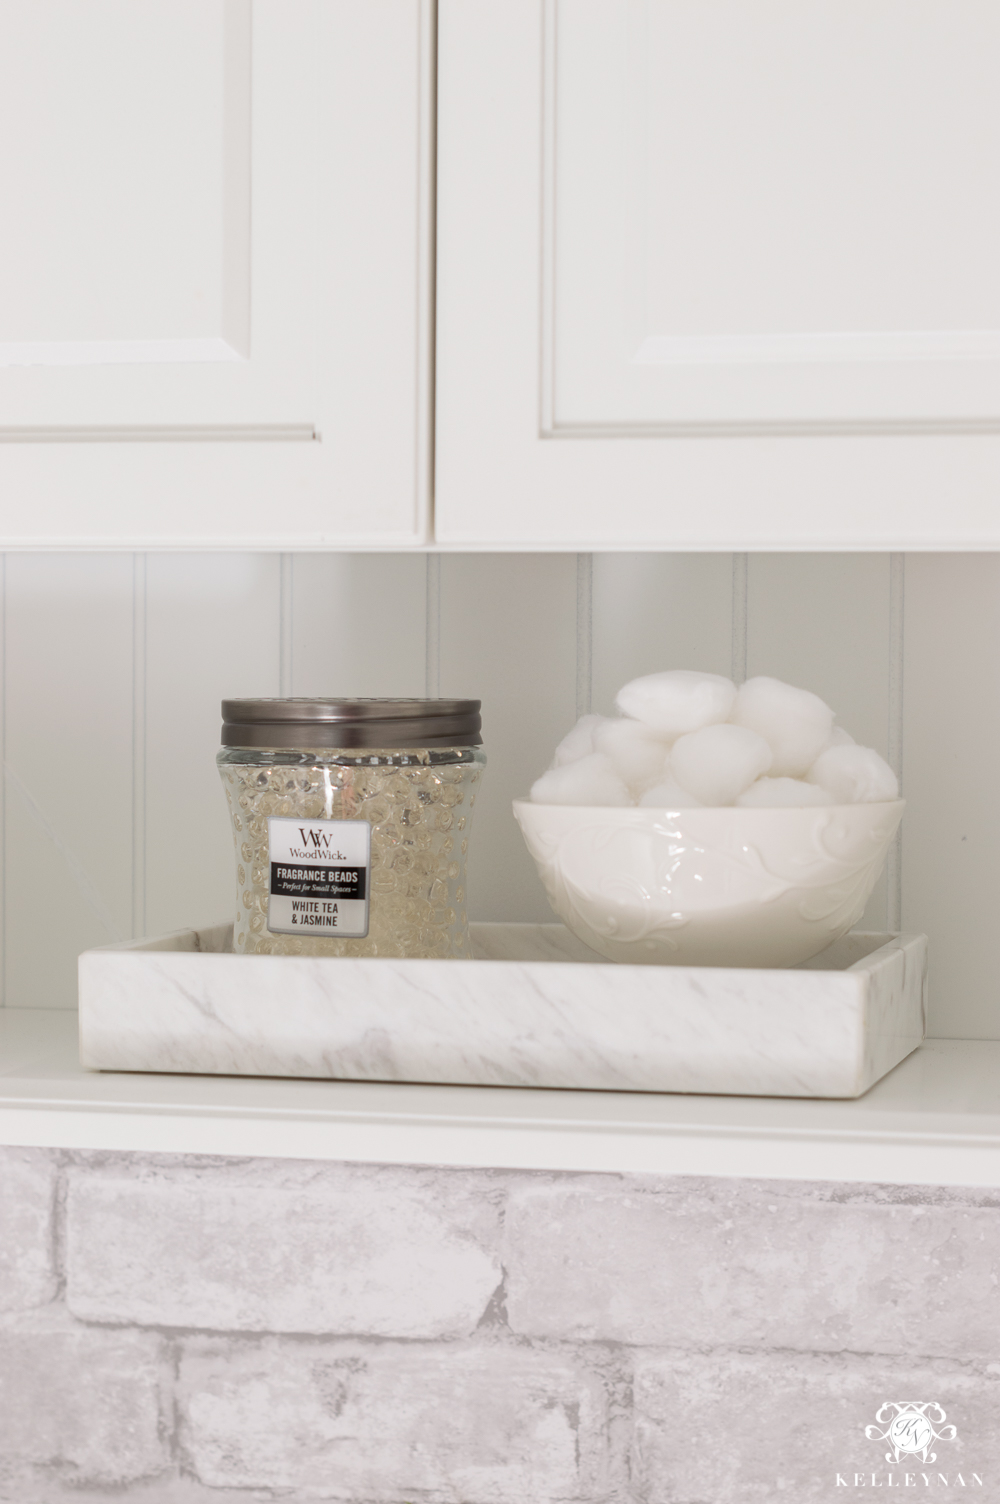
719 273
215 278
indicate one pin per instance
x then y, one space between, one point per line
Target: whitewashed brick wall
179 1331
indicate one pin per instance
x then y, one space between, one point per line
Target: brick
348 1253
753 1266
82 1403
489 1425
749 1429
27 1199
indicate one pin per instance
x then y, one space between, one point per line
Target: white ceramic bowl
709 887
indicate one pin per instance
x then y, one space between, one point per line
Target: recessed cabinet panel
214 272
772 210
719 272
125 180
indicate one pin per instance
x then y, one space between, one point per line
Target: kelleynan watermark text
909 1480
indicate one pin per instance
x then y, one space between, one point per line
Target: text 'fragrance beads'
351 824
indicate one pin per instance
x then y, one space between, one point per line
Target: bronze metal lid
306 723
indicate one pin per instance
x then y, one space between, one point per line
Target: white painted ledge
934 1120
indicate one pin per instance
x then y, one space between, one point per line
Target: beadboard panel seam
739 617
73 654
508 636
897 648
432 628
823 622
286 626
584 633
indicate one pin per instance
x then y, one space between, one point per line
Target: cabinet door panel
214 291
128 233
716 273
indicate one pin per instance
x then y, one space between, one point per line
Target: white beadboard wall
113 821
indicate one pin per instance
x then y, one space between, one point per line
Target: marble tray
536 1008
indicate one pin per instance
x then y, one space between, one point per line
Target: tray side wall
501 1023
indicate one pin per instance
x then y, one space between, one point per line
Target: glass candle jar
351 824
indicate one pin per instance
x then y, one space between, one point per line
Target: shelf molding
934 1120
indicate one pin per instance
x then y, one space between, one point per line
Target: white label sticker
319 877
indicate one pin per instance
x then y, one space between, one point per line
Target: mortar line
60 1193
738 667
897 600
432 627
584 633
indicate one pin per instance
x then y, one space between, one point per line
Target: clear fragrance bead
411 799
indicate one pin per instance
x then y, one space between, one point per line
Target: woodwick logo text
316 843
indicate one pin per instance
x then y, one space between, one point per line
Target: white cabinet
718 274
710 274
215 272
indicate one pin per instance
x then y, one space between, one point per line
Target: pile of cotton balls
684 740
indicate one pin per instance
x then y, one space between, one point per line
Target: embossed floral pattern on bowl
709 887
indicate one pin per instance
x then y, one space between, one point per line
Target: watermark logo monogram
910 1430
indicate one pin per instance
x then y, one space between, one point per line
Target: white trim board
935 1120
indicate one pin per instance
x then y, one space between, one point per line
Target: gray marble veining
536 1008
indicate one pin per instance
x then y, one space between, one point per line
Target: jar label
319 877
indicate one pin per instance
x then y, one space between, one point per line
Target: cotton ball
589 780
783 793
839 738
797 724
577 743
677 701
668 795
855 775
719 762
637 755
